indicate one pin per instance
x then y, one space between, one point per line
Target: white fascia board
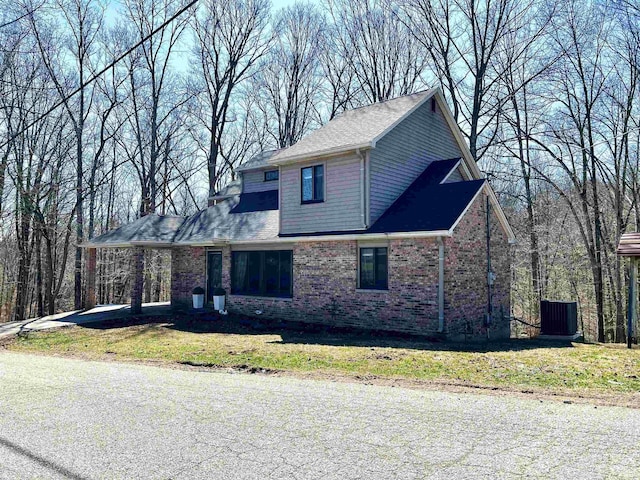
133 243
496 208
347 237
451 171
470 165
455 129
151 244
429 94
204 243
301 238
466 209
329 152
500 214
105 245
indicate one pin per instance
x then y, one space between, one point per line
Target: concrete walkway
78 317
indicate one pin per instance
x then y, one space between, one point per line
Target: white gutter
353 236
440 285
135 243
319 154
208 243
300 238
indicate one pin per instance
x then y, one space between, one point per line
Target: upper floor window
313 184
374 268
271 175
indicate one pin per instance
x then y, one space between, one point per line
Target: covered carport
629 247
149 232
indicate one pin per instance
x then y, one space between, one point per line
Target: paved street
62 418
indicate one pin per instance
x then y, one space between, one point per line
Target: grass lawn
574 369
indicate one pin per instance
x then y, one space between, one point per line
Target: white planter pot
198 301
218 302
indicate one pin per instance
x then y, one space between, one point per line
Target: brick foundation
325 281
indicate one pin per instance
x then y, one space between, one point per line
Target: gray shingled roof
229 190
256 162
353 129
214 223
148 229
217 222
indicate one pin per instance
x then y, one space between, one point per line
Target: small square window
271 175
312 185
374 268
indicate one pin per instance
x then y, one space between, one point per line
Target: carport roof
150 229
629 245
250 216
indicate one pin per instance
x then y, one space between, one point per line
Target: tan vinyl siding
341 209
401 155
253 181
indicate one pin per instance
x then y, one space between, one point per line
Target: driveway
64 418
99 313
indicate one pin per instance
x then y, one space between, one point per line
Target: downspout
440 285
367 187
363 186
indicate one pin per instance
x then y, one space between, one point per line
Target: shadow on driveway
100 313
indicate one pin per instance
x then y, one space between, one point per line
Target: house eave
348 237
134 243
329 152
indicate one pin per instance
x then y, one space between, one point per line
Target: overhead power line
122 56
16 20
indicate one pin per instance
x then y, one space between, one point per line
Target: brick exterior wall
325 283
187 272
466 276
324 288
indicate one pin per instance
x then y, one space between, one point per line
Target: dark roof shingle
257 202
425 207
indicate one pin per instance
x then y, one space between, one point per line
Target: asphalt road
62 418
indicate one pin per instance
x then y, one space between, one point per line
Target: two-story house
379 219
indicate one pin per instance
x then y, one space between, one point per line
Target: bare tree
230 38
378 47
82 23
465 40
289 79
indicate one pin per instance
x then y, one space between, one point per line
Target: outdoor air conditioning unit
558 318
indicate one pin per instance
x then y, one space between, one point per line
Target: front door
214 273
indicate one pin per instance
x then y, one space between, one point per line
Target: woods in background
545 93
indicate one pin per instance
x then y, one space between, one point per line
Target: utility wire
100 73
15 20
